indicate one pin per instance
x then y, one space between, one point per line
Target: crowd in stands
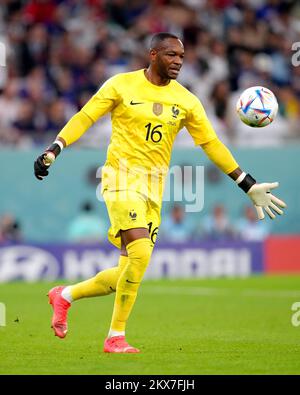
59 52
177 227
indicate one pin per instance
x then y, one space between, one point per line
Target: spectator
249 228
218 110
87 226
9 104
26 118
217 225
57 116
9 229
176 228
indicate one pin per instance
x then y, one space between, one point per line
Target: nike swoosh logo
134 103
131 282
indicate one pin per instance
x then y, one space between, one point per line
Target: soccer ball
257 106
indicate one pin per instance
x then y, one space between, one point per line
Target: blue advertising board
34 262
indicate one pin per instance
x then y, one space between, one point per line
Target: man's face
168 58
178 214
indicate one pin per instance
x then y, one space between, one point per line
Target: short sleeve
104 100
199 125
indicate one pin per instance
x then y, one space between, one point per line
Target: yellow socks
125 279
139 254
103 283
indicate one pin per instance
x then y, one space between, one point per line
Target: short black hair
158 38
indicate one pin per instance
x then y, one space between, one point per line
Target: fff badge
157 108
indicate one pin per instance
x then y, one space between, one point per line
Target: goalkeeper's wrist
245 181
56 147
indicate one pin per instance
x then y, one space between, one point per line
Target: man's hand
263 199
42 163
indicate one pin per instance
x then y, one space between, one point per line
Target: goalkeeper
148 108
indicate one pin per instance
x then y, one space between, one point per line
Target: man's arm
260 194
100 104
72 131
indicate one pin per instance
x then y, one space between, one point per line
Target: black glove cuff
55 148
247 183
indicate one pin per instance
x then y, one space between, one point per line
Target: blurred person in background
10 107
57 116
25 122
176 227
217 225
10 230
10 103
250 229
218 110
87 227
289 109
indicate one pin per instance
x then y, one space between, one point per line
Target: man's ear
153 54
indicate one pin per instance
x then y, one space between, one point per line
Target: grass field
217 326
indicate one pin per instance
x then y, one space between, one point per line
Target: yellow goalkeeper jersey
145 121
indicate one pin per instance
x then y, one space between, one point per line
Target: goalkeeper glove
261 196
44 161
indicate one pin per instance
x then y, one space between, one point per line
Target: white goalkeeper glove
261 196
263 199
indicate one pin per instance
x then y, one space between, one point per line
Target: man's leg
103 283
139 249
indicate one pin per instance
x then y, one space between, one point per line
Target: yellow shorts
130 209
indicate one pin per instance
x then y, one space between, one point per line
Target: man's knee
140 250
139 254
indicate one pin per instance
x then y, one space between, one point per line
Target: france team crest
157 108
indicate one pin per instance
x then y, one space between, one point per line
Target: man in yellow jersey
148 108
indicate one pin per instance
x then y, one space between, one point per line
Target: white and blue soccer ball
257 106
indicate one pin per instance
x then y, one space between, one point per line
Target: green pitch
217 326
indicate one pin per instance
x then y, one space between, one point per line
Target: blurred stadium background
58 53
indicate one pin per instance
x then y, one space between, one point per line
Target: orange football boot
60 310
118 344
